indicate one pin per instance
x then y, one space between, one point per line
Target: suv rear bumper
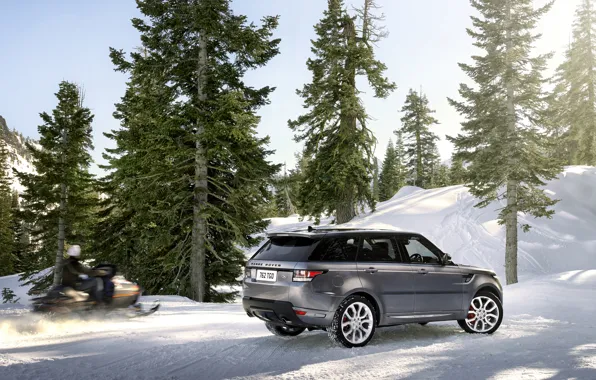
283 313
278 312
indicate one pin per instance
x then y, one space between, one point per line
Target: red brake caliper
471 316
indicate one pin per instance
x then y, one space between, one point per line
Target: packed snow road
549 332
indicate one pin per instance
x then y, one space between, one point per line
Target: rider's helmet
74 251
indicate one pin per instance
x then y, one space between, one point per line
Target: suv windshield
285 248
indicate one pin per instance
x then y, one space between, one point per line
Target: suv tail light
306 275
250 273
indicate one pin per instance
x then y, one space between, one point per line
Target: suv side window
418 252
378 249
341 249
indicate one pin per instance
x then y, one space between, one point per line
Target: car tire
485 304
355 315
284 331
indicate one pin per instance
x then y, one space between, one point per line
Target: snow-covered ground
548 332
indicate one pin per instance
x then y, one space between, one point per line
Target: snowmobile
119 295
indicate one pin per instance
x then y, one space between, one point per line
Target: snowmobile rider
72 269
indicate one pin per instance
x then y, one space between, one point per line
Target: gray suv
351 281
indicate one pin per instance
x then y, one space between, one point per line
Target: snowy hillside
472 236
18 156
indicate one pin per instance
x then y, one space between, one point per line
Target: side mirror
447 259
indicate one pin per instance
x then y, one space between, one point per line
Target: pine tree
557 119
457 172
432 163
375 180
283 199
6 216
572 107
440 176
58 195
502 138
297 178
21 250
389 178
335 130
400 160
190 176
420 141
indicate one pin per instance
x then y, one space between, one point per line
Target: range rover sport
351 281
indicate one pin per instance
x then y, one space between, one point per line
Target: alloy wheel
357 323
483 314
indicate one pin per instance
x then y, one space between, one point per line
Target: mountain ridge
19 156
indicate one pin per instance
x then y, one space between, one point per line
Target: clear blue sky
45 41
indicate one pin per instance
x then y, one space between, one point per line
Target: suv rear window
285 248
335 249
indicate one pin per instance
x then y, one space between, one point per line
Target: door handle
371 270
422 271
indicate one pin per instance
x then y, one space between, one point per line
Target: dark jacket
71 270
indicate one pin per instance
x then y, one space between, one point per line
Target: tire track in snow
117 361
199 360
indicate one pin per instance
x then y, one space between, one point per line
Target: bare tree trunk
61 222
345 208
511 234
290 206
365 20
199 225
591 159
418 181
511 215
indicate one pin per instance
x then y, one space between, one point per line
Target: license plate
266 275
